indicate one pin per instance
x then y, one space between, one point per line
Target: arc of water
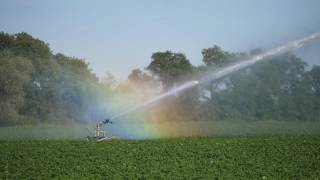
243 64
225 71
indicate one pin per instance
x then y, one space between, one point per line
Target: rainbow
144 123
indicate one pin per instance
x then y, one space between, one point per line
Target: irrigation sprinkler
99 132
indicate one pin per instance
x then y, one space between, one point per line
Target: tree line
38 86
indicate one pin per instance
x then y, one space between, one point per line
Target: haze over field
175 68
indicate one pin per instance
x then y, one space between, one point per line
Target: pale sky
119 35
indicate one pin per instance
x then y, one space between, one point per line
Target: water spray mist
211 76
257 58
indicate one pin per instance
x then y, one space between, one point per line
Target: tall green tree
213 56
273 89
170 67
15 73
60 88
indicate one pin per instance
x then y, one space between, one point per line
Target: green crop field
267 157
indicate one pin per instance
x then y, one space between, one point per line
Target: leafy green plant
296 157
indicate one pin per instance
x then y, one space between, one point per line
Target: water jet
212 76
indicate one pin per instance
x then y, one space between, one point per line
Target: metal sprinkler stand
99 133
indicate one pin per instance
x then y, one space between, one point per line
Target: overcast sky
118 35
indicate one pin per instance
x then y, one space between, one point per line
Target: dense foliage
195 158
38 86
